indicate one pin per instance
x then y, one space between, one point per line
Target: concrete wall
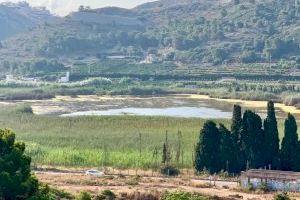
278 185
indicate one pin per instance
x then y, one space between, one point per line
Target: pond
187 106
186 112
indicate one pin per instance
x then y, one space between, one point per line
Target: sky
63 7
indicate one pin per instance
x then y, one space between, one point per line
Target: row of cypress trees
250 144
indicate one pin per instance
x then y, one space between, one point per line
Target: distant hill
206 32
17 18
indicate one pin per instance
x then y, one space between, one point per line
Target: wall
278 185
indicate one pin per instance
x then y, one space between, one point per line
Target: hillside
17 18
184 32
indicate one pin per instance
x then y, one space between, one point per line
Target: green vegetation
290 146
283 196
83 196
249 146
16 180
105 141
102 141
184 196
271 135
179 31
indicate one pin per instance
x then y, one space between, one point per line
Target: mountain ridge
20 17
188 32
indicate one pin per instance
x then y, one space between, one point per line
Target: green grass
87 141
84 141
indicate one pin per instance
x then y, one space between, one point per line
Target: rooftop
271 174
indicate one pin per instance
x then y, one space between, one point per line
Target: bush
283 196
83 196
264 187
47 193
183 196
25 110
109 195
169 170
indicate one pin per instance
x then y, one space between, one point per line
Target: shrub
25 110
169 170
108 194
283 196
47 193
183 196
250 187
264 187
83 196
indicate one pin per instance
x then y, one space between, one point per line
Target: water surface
187 112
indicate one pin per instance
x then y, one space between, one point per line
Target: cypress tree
252 136
164 154
236 136
236 122
207 152
227 150
289 144
271 143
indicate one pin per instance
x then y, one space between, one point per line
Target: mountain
205 32
20 17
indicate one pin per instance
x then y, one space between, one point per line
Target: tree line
251 143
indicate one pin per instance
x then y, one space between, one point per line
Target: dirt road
76 182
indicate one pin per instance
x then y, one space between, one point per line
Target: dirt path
76 182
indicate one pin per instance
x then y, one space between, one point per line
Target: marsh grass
112 141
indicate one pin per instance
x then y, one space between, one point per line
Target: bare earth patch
247 103
77 182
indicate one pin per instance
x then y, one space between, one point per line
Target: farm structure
274 180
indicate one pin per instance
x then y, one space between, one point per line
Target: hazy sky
62 7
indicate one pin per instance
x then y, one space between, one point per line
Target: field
119 142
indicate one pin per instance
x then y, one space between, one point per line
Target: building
149 59
274 180
9 78
65 79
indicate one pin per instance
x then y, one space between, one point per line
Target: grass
93 141
98 141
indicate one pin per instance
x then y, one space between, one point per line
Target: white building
274 180
65 79
9 78
149 59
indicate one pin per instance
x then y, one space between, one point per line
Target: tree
236 2
252 137
236 122
16 181
227 150
166 154
271 138
224 13
207 155
236 127
289 144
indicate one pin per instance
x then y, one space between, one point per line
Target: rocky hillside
203 32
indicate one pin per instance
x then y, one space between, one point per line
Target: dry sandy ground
251 104
77 182
43 109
